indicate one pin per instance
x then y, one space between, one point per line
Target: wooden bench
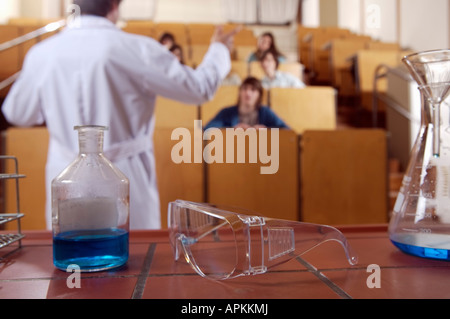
243 52
243 185
30 146
172 114
304 39
344 177
294 68
367 62
319 57
245 37
195 53
147 31
308 108
10 60
341 50
176 181
200 34
178 30
240 68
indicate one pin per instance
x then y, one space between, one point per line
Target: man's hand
226 38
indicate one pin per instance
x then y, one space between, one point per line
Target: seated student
248 112
266 41
177 50
273 77
167 39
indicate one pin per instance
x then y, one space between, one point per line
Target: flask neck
90 139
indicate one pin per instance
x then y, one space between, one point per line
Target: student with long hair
266 41
249 111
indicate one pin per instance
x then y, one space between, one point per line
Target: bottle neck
90 139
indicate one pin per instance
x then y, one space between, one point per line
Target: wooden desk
151 273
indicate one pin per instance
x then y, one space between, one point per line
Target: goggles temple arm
292 239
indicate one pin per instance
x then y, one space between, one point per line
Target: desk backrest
141 23
241 68
308 108
173 114
145 30
200 33
243 52
294 68
256 70
344 177
367 62
243 185
9 59
341 51
319 40
30 146
195 53
225 96
245 37
179 31
378 45
176 181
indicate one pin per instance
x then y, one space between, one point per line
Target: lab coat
92 73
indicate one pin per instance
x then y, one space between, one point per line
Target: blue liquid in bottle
91 250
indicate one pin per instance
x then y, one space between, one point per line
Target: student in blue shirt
249 111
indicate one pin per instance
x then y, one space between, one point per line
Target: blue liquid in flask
91 250
417 246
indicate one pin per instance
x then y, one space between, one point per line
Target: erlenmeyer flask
420 224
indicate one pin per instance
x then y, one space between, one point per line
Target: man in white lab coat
92 73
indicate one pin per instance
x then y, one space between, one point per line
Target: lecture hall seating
306 174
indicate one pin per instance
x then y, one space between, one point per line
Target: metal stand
7 239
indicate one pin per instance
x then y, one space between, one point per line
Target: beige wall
200 11
31 8
328 13
416 24
424 25
8 8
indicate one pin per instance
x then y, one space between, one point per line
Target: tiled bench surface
151 273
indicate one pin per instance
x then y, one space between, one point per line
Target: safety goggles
220 244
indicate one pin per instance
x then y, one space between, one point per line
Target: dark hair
178 47
256 85
96 7
167 36
273 46
275 55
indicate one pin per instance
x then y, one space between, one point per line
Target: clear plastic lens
208 241
216 259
